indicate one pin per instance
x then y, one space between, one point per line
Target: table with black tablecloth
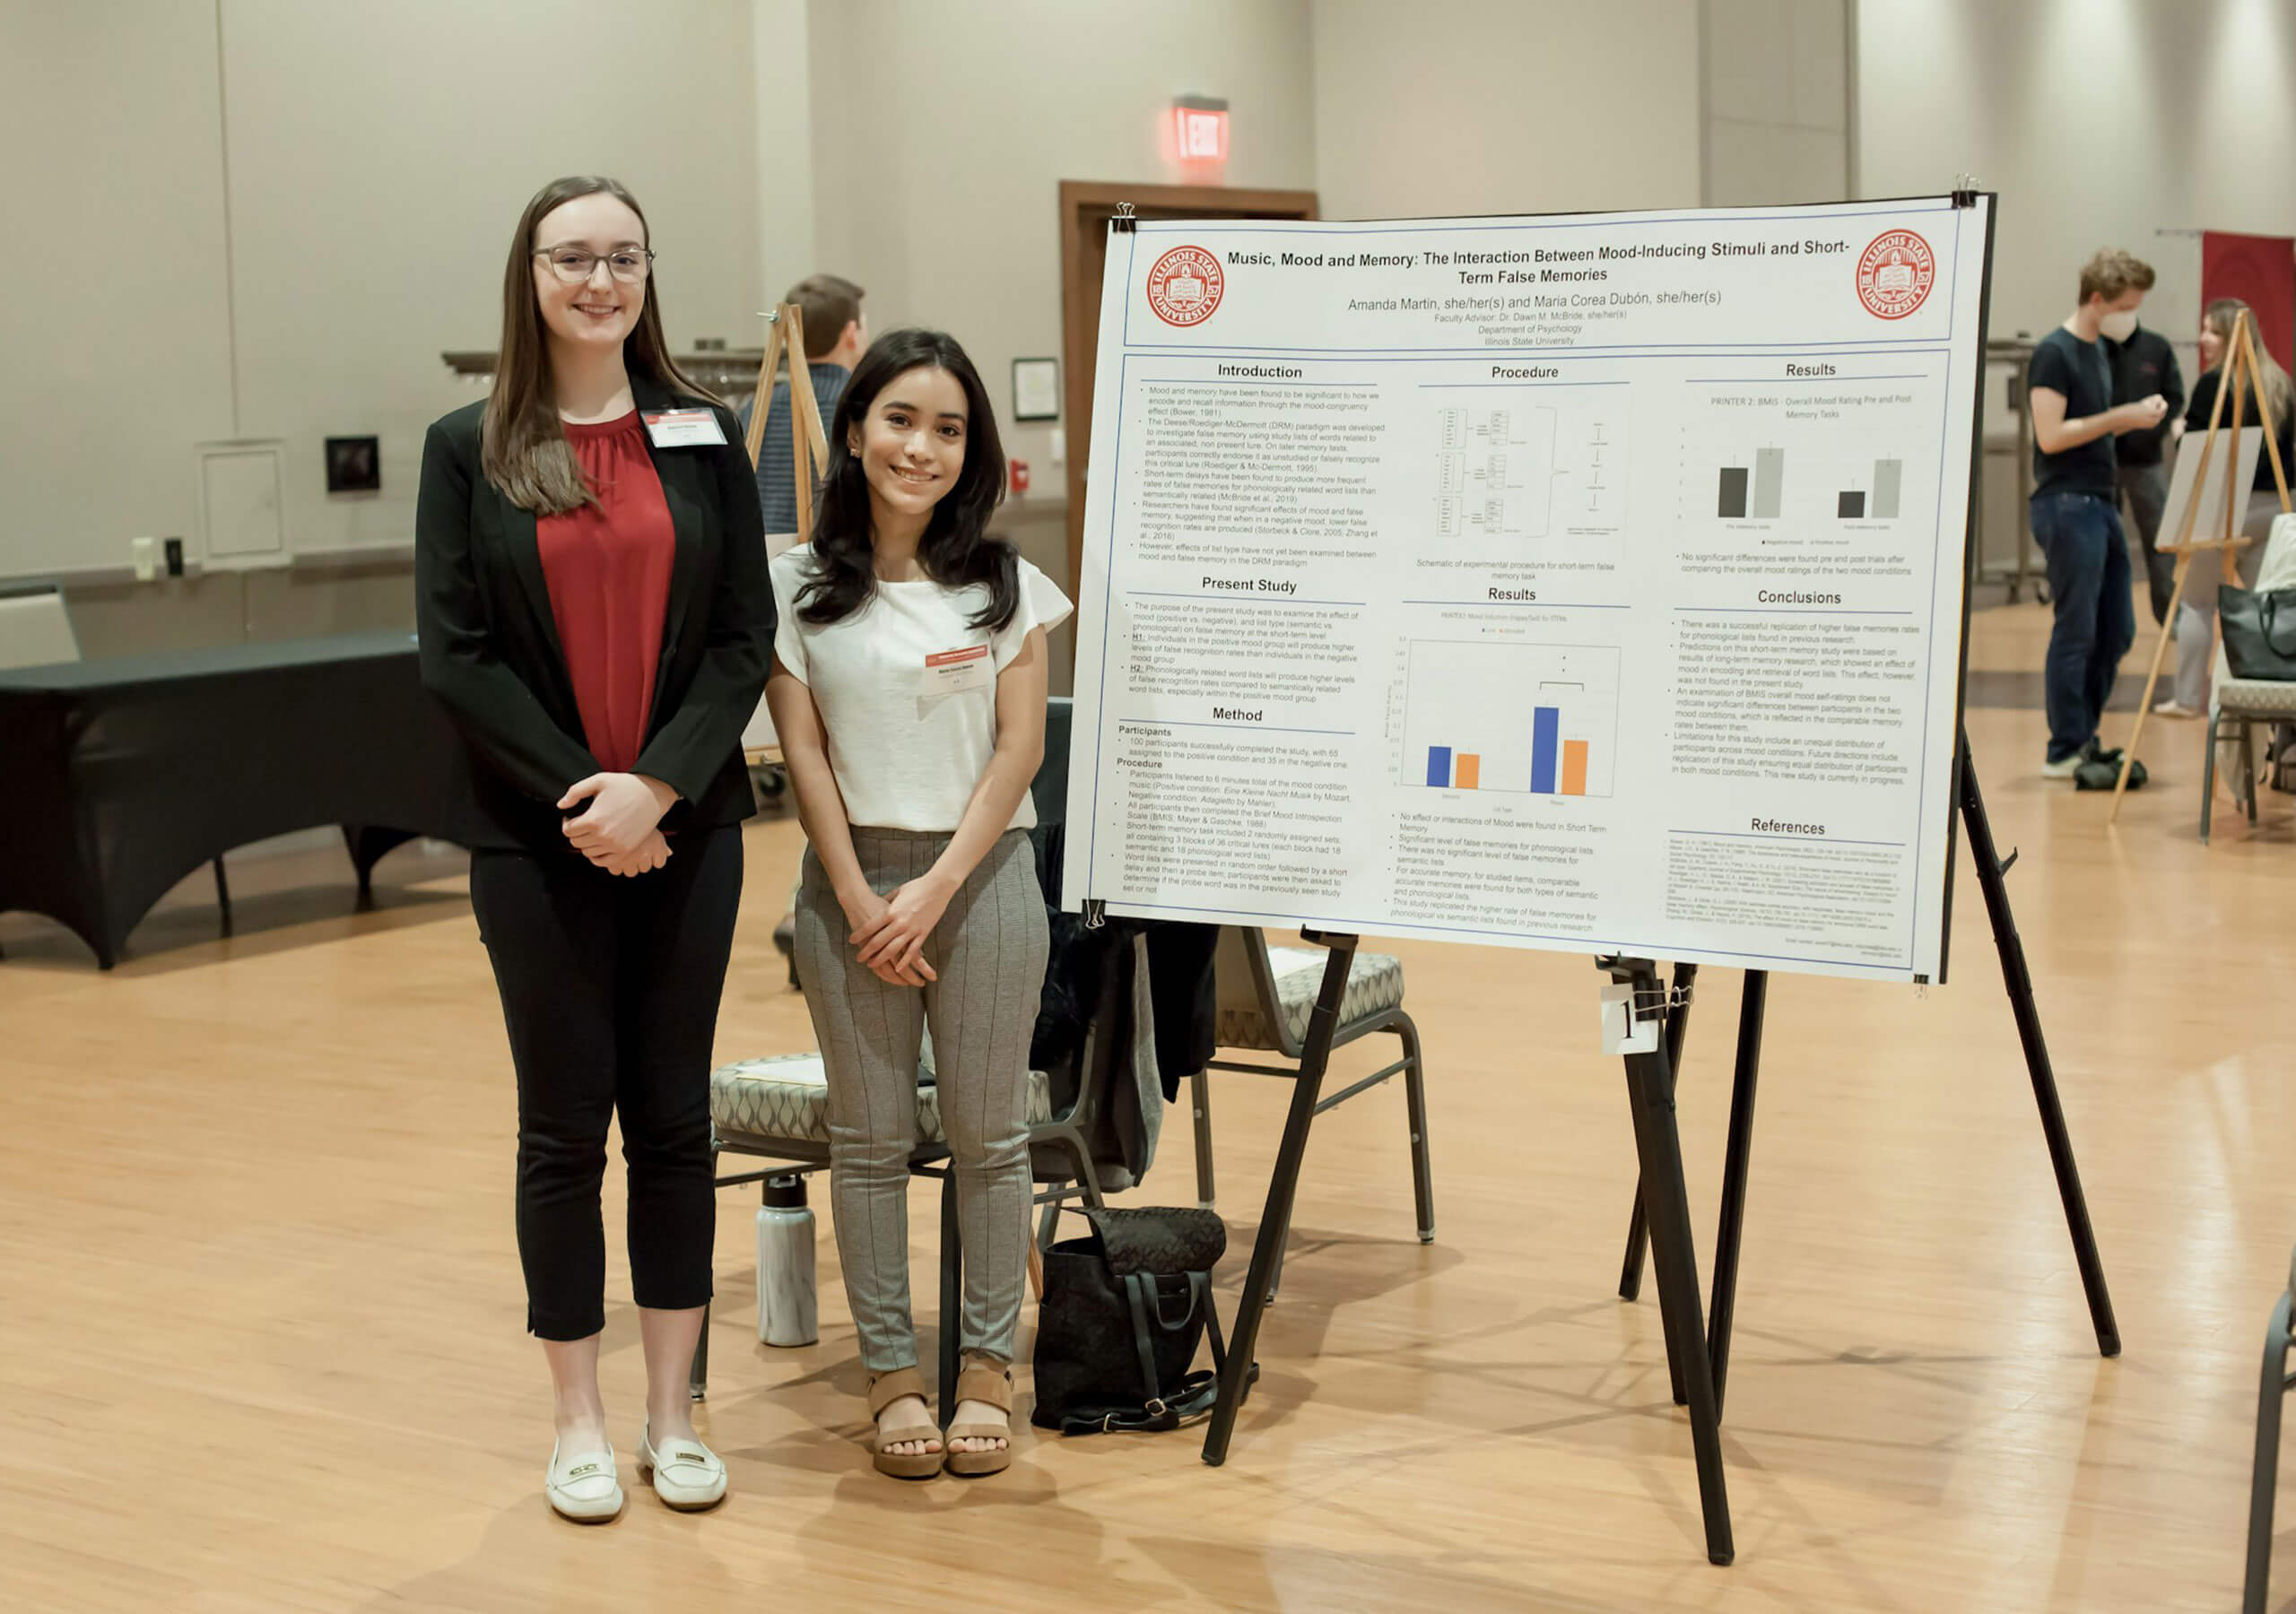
119 777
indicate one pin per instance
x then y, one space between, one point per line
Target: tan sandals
884 1390
984 1379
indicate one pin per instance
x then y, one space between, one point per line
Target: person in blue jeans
2075 513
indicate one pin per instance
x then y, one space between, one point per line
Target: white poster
1591 583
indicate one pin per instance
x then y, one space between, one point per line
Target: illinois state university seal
1185 286
1894 276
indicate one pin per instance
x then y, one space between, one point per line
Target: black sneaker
2101 774
2095 751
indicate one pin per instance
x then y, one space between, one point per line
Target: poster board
1592 583
2208 521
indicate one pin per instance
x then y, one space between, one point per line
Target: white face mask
2120 326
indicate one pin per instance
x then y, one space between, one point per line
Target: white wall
352 175
2101 122
940 138
121 334
1454 107
1776 100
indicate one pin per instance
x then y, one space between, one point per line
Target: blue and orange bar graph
1447 770
1557 766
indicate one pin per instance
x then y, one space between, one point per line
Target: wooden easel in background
2242 379
785 335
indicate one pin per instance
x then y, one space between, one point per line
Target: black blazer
490 649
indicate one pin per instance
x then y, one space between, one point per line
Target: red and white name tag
685 428
954 671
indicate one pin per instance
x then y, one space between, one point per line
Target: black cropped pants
609 990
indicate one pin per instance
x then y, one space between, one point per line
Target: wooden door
1085 208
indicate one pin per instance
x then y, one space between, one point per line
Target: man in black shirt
2076 489
2143 364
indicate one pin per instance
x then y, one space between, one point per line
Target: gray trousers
989 952
2146 489
2196 613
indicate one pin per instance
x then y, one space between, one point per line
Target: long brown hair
2219 318
522 447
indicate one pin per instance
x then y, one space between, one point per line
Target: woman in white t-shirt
908 692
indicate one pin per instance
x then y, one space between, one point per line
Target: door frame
1085 207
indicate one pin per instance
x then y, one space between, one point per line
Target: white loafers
687 1474
585 1486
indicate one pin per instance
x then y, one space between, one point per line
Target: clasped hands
620 829
890 931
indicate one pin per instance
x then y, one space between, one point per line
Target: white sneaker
687 1474
585 1486
2174 708
2062 771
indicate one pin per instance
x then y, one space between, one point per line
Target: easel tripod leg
1650 1090
1283 1187
1736 1161
1637 1226
2019 981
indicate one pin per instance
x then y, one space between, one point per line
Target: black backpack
1125 1310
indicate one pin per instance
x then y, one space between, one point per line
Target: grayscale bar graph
1886 475
1770 481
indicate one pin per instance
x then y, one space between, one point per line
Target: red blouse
608 569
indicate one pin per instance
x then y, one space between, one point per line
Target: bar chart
1510 716
1760 487
1768 487
1878 500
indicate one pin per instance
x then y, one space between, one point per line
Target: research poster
1591 582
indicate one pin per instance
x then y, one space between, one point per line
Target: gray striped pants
989 951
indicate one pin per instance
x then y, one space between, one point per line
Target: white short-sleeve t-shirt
907 690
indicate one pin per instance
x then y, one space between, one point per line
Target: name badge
955 671
685 428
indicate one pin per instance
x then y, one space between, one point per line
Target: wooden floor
260 1314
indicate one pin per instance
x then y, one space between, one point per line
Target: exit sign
1200 132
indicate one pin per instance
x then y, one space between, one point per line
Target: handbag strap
1135 1287
2268 605
1195 1392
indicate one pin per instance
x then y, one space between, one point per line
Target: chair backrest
1050 788
35 629
1244 982
1119 1052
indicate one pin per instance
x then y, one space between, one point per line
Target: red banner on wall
2261 271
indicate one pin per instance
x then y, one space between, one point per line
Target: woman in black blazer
590 589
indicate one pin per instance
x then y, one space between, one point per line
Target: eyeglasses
573 265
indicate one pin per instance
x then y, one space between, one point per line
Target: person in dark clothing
2076 488
2145 364
836 336
593 611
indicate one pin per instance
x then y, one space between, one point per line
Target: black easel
1283 1187
1650 1090
2017 978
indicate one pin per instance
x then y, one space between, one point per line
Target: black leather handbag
2259 632
1125 1309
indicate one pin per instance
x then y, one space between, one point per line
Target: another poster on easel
2186 479
1592 583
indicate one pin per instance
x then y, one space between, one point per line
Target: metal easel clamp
1648 1002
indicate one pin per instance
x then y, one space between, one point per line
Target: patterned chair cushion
2274 695
1374 986
786 1096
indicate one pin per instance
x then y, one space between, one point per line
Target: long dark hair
522 447
957 549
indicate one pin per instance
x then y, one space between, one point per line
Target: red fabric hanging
2261 271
